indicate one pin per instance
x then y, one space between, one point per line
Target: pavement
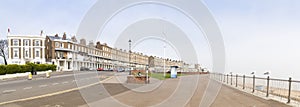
115 92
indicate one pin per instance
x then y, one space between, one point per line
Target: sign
173 71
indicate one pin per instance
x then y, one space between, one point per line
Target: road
120 95
20 89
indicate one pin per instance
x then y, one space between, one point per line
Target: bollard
29 76
48 74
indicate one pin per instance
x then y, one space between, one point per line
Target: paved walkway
181 95
168 93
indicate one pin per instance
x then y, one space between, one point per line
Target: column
31 49
43 52
21 47
65 64
58 65
9 49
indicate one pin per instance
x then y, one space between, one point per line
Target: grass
160 76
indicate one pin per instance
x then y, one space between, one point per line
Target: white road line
58 76
51 94
65 82
8 91
55 83
43 86
26 88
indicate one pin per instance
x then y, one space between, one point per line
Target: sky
259 35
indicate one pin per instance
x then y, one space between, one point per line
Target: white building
26 48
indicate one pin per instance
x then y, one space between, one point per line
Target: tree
4 50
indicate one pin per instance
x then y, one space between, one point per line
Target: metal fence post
227 78
236 80
290 88
231 79
224 77
268 82
253 88
243 81
221 79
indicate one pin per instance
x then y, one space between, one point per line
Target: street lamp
129 56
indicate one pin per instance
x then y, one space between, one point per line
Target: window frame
16 50
37 51
26 41
37 43
25 53
16 42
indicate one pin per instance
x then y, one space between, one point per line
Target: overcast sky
259 35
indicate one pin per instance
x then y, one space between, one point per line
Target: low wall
137 79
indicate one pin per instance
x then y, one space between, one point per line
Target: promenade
158 94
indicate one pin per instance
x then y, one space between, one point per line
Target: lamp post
164 60
129 56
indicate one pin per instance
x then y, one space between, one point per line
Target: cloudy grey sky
259 35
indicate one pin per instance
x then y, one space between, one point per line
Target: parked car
92 69
84 69
100 69
121 70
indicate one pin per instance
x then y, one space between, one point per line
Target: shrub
25 68
14 68
41 67
2 69
51 67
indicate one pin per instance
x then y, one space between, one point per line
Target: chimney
56 35
8 31
98 45
82 42
91 44
41 33
64 36
74 39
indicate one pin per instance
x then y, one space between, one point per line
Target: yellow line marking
55 93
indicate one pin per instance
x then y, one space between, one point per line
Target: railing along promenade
285 89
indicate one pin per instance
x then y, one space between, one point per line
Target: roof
53 38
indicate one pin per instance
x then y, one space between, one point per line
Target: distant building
70 54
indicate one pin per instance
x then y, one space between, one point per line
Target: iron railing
287 89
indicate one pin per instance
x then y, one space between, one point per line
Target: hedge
13 68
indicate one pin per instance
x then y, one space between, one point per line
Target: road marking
8 91
58 76
55 83
52 94
65 82
26 88
43 86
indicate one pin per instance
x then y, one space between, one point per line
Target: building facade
70 54
23 49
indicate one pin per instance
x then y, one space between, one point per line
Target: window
16 53
56 44
37 43
26 42
61 54
61 45
16 42
26 54
37 53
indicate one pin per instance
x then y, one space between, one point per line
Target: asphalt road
23 88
